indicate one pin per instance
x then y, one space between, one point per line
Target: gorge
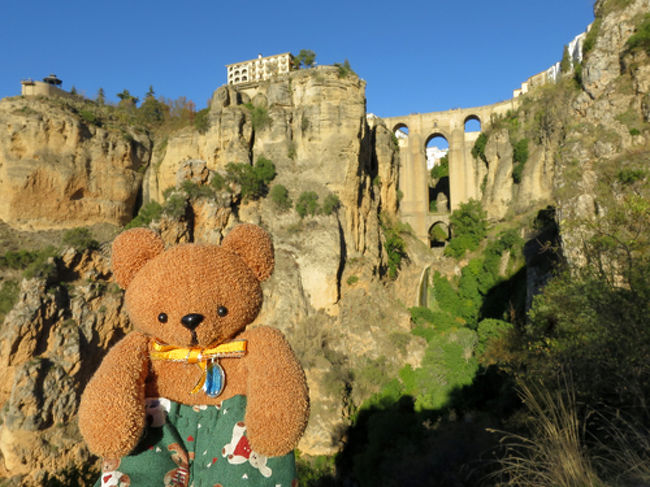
355 288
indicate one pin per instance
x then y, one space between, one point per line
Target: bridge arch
401 127
435 134
401 132
436 149
472 123
439 234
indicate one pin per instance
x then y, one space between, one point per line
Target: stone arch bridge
465 176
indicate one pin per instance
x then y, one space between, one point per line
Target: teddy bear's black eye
222 311
162 317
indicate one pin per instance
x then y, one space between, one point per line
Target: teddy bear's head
191 294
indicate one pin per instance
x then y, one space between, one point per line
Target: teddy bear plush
191 396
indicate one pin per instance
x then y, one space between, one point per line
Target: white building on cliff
259 69
552 74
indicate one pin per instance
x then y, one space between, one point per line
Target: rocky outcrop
57 170
572 133
610 130
50 343
312 125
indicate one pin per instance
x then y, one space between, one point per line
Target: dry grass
625 450
555 455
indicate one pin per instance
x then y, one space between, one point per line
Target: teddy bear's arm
277 397
112 408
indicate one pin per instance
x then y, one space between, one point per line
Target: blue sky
416 56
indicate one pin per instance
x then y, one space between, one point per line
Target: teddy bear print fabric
197 446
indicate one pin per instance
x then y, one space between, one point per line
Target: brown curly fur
194 279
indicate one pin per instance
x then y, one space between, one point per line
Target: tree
305 58
344 69
307 204
127 100
152 111
331 204
253 180
280 197
101 97
565 64
469 227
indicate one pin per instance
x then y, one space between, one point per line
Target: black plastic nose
192 320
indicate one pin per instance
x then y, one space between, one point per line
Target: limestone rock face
614 102
499 184
59 171
50 343
603 65
312 125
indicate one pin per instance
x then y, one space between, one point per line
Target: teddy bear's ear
131 250
254 246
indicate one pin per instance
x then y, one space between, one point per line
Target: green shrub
490 329
448 363
635 131
218 182
590 39
175 205
438 233
421 315
344 69
517 171
18 259
641 37
441 170
315 471
433 206
394 245
280 197
330 204
8 297
577 74
519 158
520 151
80 239
469 227
478 151
43 266
259 116
253 180
202 120
352 280
194 190
264 170
306 58
565 64
307 204
89 117
147 213
630 176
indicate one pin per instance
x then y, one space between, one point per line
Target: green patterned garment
197 446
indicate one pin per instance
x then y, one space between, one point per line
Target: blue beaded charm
215 379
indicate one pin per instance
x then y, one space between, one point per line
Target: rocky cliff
59 170
326 293
595 117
